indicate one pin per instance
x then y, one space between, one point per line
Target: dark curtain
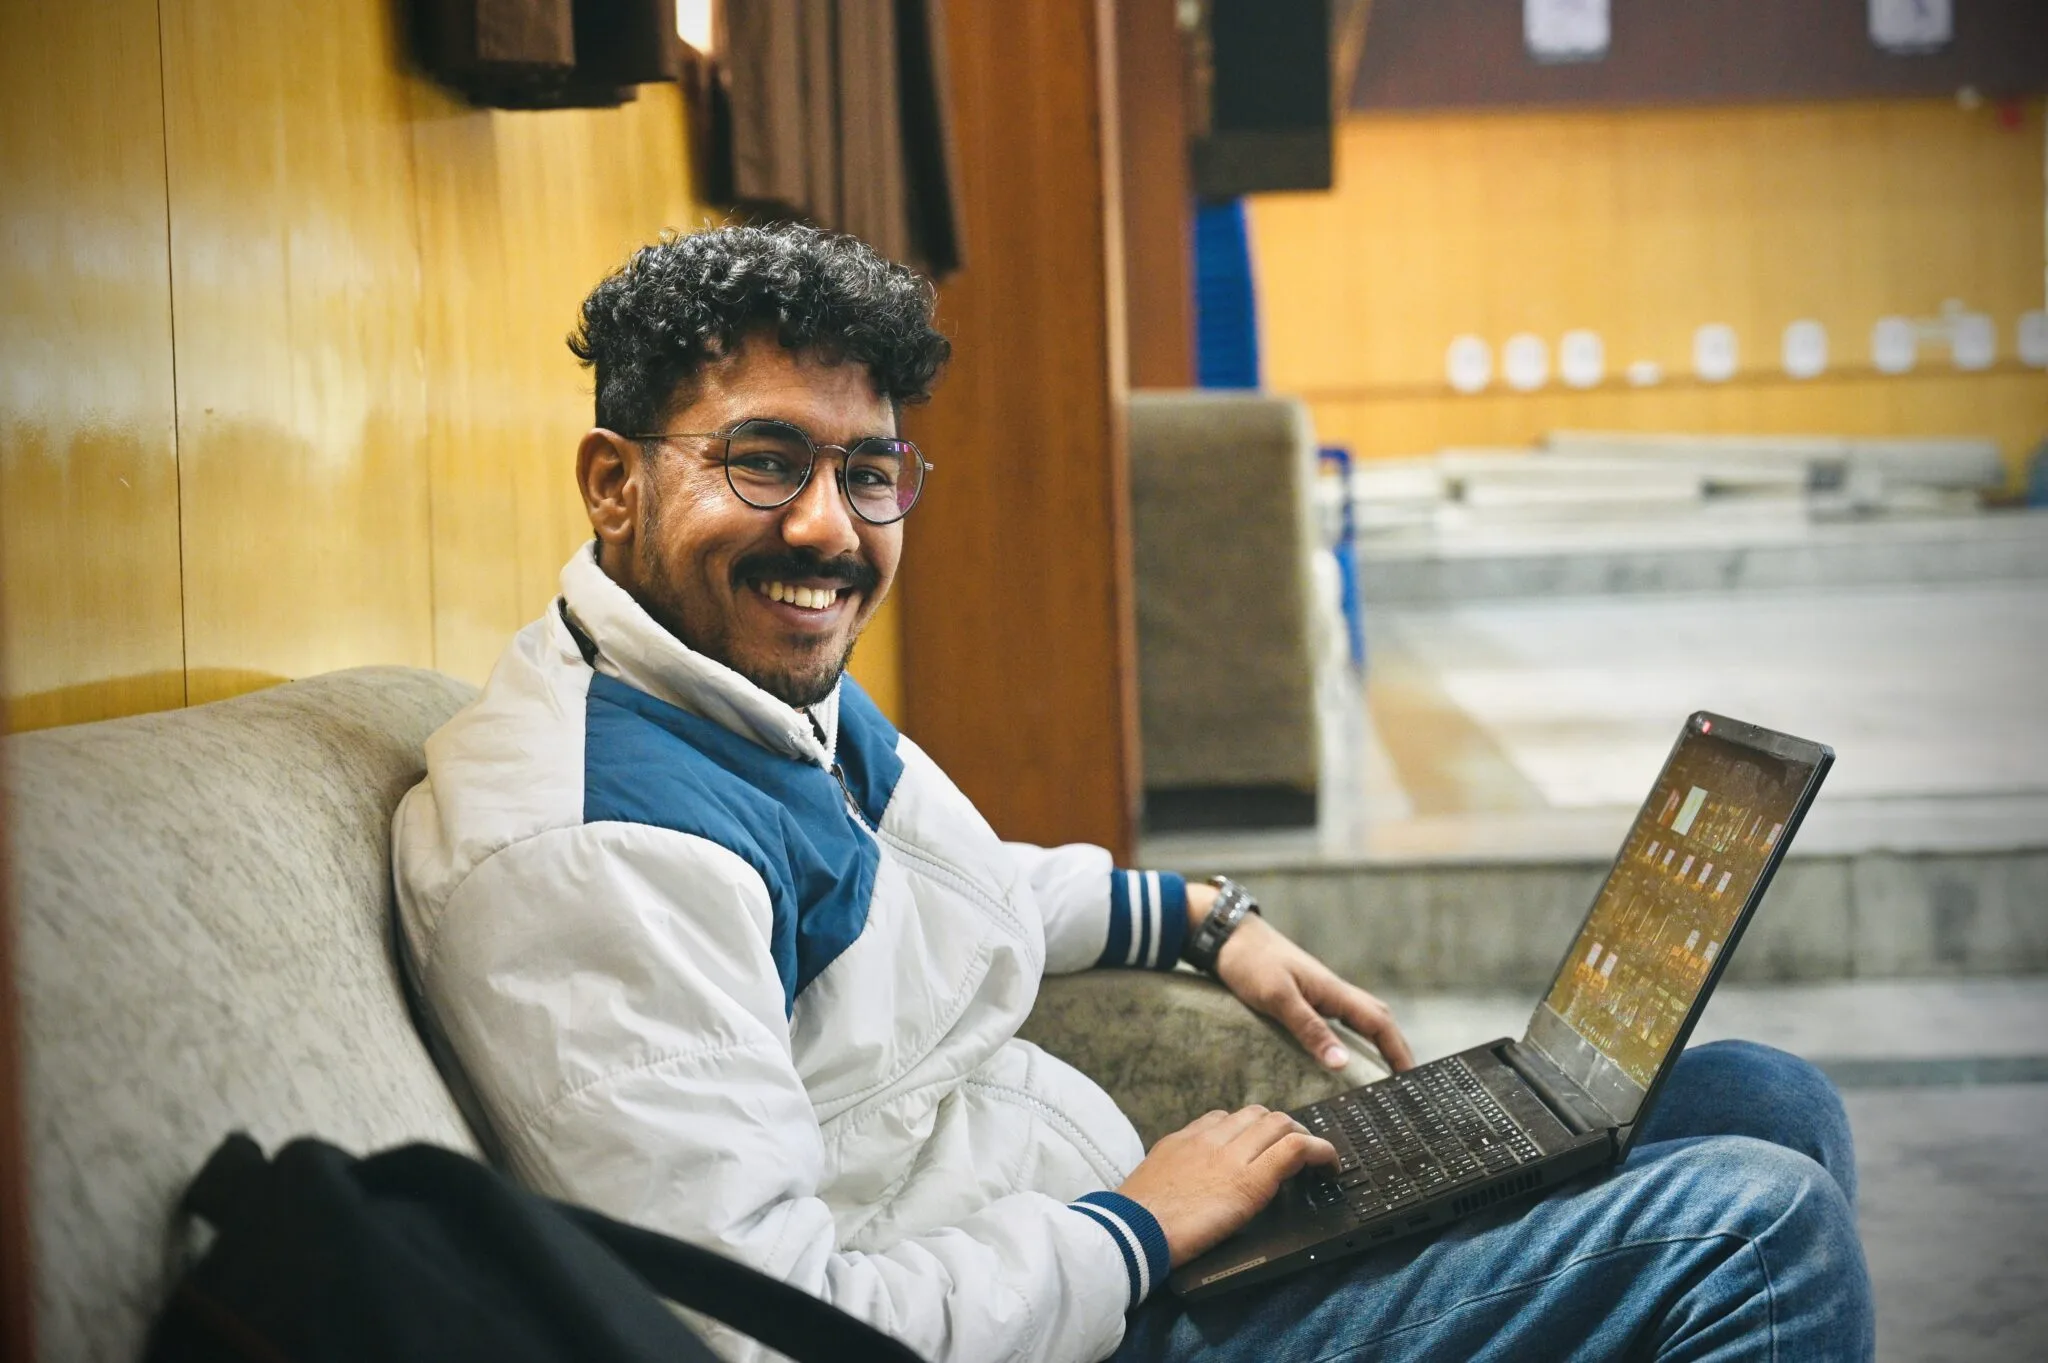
546 54
836 112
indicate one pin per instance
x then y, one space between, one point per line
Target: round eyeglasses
768 463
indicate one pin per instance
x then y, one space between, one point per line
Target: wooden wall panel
1642 226
520 215
1158 195
88 459
1462 54
373 282
1017 635
877 663
295 265
579 190
475 436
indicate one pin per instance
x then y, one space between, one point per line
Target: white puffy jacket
752 976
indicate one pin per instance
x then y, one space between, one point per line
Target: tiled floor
1954 1175
1955 1221
1923 691
1531 728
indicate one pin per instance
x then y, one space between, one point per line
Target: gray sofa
202 899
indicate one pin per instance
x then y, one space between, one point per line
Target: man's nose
819 518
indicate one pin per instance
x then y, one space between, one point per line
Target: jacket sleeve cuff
1148 920
1137 1236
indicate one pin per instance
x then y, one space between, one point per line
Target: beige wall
285 386
1642 225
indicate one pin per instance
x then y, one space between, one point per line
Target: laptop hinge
1567 1101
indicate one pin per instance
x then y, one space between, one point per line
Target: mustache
849 569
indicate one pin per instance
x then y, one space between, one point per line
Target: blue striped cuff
1137 1235
1148 919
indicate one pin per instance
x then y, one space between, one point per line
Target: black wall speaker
1265 67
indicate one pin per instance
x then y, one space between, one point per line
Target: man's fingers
1291 1154
1300 1017
1315 1151
1370 1017
1375 1021
1234 1124
1207 1120
1269 1130
1393 1045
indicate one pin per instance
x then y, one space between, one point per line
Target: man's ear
608 476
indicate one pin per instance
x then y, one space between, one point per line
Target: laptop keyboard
1408 1138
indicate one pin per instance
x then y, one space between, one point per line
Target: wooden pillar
1158 194
1019 671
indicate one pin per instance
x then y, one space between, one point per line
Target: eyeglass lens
767 463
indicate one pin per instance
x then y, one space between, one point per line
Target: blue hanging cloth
1337 459
1226 315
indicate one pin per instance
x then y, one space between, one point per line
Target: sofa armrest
1169 1047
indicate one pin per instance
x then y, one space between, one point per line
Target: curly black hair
675 306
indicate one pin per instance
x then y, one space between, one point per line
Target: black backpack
421 1254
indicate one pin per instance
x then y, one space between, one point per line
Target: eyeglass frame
845 453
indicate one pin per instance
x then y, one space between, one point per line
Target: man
721 953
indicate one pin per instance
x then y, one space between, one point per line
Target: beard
799 686
797 682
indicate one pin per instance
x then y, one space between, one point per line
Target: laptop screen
1692 861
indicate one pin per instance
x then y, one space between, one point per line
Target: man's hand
1276 977
1214 1174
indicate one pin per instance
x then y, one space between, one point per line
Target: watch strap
1233 902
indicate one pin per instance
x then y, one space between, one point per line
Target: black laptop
1511 1118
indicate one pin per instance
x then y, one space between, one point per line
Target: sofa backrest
203 901
1223 543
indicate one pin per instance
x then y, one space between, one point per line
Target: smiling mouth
802 597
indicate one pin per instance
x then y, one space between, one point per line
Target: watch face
1912 26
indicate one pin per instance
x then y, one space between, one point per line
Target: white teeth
807 598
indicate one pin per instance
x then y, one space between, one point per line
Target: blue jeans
1729 1233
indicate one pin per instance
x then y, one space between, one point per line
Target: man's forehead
762 378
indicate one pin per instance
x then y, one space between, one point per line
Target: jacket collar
636 650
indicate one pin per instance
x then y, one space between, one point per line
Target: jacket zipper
852 805
839 775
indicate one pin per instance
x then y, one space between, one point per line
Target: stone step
1585 558
1473 924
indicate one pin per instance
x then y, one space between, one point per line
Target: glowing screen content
1686 870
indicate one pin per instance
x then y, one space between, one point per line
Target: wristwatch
1233 902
